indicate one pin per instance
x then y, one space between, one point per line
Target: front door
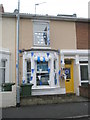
69 82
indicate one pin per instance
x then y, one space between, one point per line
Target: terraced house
53 53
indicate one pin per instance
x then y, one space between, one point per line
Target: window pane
3 64
67 61
2 72
2 75
28 77
41 34
42 78
43 75
84 72
28 71
43 66
28 66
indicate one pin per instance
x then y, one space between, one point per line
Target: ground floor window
28 71
2 71
55 72
42 75
84 73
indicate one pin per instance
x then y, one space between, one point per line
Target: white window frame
55 70
48 32
83 81
26 68
42 72
1 67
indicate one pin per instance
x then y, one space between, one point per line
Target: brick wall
82 35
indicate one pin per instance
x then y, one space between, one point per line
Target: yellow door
69 82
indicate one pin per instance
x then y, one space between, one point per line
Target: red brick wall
82 35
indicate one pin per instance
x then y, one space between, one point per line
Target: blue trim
32 53
48 54
40 82
20 51
23 81
31 77
43 59
32 70
59 72
48 70
38 59
61 61
55 81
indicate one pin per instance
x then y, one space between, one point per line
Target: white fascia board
74 52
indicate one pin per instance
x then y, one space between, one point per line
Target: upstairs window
41 34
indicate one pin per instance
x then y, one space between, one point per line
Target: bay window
42 75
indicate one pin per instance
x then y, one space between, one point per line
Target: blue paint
43 59
40 82
55 81
32 54
48 70
23 81
16 65
59 72
20 51
61 61
38 59
31 77
48 54
32 70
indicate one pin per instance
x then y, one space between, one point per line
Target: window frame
48 32
55 70
83 64
27 69
42 72
1 67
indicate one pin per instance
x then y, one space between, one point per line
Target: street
53 111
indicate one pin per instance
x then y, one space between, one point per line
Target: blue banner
38 59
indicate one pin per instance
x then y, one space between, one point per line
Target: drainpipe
17 60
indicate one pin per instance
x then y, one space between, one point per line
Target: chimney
1 8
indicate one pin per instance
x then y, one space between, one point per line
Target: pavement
70 110
51 99
50 107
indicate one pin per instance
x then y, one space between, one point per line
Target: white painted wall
8 99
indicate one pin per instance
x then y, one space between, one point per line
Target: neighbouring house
52 48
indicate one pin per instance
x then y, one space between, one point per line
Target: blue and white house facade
41 68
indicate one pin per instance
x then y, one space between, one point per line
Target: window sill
44 87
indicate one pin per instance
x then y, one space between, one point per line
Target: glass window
67 61
43 66
41 34
2 71
28 71
84 72
42 75
55 74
